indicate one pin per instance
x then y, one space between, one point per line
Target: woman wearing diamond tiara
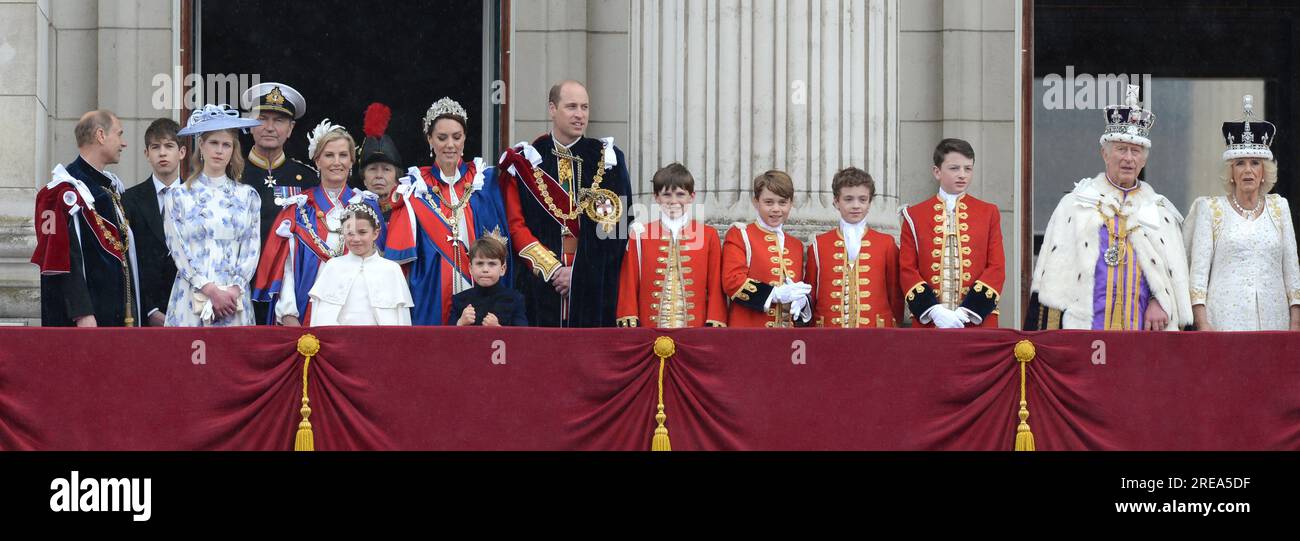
439 211
212 227
309 230
1239 242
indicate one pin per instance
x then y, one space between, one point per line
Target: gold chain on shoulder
577 209
124 243
302 211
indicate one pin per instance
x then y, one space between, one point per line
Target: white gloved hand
944 318
777 296
799 308
787 293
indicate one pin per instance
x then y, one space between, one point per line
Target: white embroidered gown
1245 272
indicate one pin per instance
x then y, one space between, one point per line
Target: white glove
944 318
800 310
787 293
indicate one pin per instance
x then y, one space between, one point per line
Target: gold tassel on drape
308 346
1024 438
664 348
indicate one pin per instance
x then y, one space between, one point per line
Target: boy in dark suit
145 204
488 303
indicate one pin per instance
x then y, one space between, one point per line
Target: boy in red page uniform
762 266
951 259
853 269
670 276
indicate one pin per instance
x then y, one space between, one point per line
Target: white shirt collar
568 146
674 225
448 181
763 225
373 254
856 229
852 234
158 185
950 200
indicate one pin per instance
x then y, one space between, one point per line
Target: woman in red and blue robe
433 224
309 230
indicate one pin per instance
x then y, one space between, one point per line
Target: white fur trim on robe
1067 261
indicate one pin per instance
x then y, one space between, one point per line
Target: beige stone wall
553 40
957 78
26 103
59 59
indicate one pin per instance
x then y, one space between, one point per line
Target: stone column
134 42
732 89
25 106
585 40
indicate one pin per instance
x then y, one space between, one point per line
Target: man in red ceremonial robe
565 195
84 245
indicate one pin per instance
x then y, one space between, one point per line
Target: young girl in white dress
360 287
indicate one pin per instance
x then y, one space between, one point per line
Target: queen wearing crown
439 211
308 231
1244 270
1112 257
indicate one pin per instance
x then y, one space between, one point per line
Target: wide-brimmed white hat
216 117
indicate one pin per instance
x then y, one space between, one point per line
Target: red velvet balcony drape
724 389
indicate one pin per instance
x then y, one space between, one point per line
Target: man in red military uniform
951 261
853 269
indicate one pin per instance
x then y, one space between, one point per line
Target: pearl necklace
1259 208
